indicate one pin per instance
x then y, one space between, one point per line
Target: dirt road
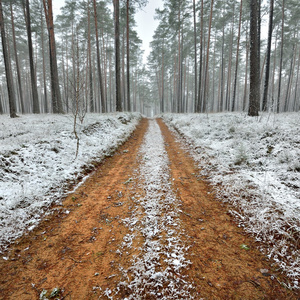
144 225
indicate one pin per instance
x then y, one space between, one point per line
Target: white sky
146 24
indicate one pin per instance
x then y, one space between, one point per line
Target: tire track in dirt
155 271
220 268
83 249
74 249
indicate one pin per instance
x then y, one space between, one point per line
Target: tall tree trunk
258 32
201 61
102 94
237 58
295 108
56 96
123 80
35 98
163 79
228 88
246 72
266 85
207 59
254 64
286 102
17 60
1 107
117 55
274 71
281 59
222 70
91 92
104 67
195 54
128 57
8 71
46 109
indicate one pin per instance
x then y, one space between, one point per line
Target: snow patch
37 162
253 163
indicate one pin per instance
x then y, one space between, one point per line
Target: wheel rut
143 225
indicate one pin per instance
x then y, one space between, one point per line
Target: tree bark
128 57
254 63
237 58
117 55
195 53
295 108
163 79
102 94
46 109
9 77
35 98
91 92
207 59
267 75
201 61
281 59
56 96
17 60
286 102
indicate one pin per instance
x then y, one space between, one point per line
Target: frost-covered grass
254 164
38 165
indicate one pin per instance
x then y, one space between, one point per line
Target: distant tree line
215 55
206 56
67 64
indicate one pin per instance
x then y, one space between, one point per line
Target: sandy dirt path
144 225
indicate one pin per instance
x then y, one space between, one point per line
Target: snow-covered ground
38 165
254 164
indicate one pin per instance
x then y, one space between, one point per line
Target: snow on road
157 268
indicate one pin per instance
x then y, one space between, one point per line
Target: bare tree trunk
117 56
91 92
207 59
237 58
46 109
222 71
123 72
1 107
56 96
35 98
286 102
274 71
266 85
296 86
102 94
281 59
227 99
9 78
17 60
195 54
254 64
163 80
201 61
128 57
246 72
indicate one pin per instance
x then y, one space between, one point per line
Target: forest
89 57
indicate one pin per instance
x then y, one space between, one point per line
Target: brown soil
76 251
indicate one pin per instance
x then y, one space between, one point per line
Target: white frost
37 162
156 270
253 163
